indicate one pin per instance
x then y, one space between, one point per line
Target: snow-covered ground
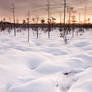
45 65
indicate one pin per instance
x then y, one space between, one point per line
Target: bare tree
85 14
13 12
70 9
28 20
48 6
79 17
37 27
64 17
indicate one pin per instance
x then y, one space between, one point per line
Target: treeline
4 25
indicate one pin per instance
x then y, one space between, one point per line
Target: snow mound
84 82
41 85
49 68
35 61
81 44
82 87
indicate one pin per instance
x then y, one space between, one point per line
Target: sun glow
57 19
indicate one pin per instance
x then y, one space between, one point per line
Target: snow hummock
45 65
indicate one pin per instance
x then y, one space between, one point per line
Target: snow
38 85
45 65
84 83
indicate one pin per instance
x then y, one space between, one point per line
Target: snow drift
45 65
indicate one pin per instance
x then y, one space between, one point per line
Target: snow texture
45 65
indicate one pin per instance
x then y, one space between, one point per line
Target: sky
39 8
